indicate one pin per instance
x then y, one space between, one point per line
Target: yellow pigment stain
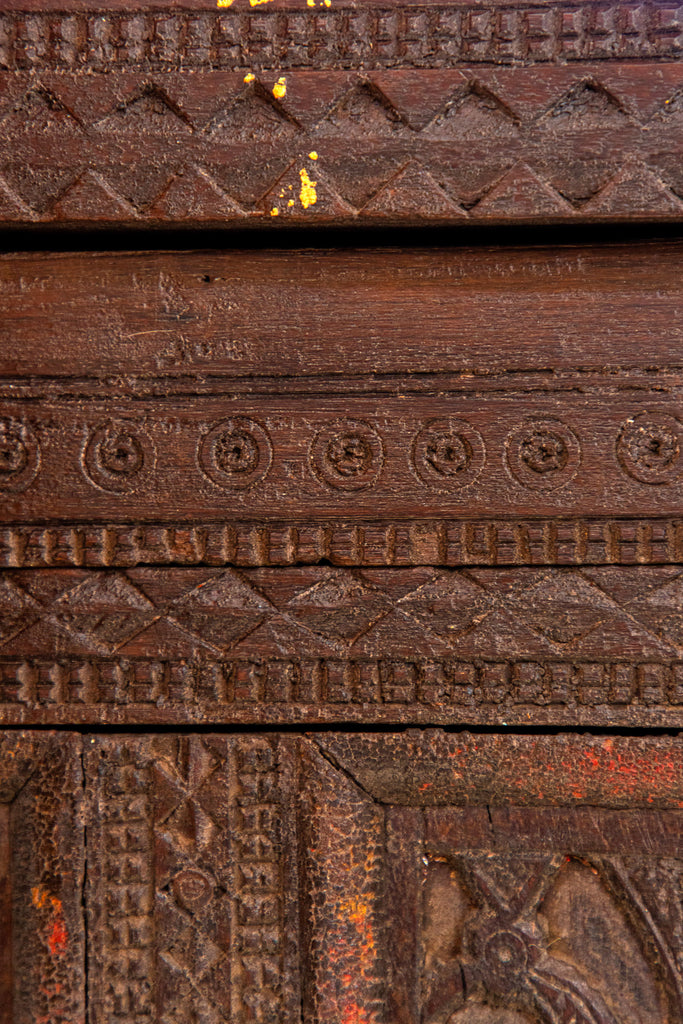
249 78
255 3
274 212
39 896
313 155
308 194
223 3
290 202
280 88
358 912
310 3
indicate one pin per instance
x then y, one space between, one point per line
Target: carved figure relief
547 936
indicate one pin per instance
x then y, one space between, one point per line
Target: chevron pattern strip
445 148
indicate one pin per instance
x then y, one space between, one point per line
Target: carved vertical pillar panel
192 890
42 872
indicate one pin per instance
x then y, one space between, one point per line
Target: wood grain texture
316 644
339 542
542 384
289 33
354 485
350 314
192 892
229 877
289 489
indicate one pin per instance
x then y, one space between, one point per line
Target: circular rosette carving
448 453
649 448
19 455
543 454
235 453
347 455
119 456
193 890
503 956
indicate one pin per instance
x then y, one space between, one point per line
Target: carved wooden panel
424 644
414 877
285 111
475 516
420 877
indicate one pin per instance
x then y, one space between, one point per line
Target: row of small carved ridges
342 36
206 686
428 542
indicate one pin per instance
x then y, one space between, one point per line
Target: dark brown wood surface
355 485
358 490
42 873
379 113
401 877
345 314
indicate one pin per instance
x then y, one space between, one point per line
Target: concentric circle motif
649 448
506 953
347 455
193 889
19 455
543 454
448 453
118 456
235 453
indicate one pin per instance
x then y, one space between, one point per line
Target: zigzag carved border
431 542
584 141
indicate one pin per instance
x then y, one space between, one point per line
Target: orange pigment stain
354 1014
57 935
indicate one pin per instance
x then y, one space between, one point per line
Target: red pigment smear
57 939
57 936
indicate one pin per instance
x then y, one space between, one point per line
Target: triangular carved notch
148 106
473 110
587 100
41 104
364 109
254 115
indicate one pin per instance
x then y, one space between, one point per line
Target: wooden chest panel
281 515
422 876
475 517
